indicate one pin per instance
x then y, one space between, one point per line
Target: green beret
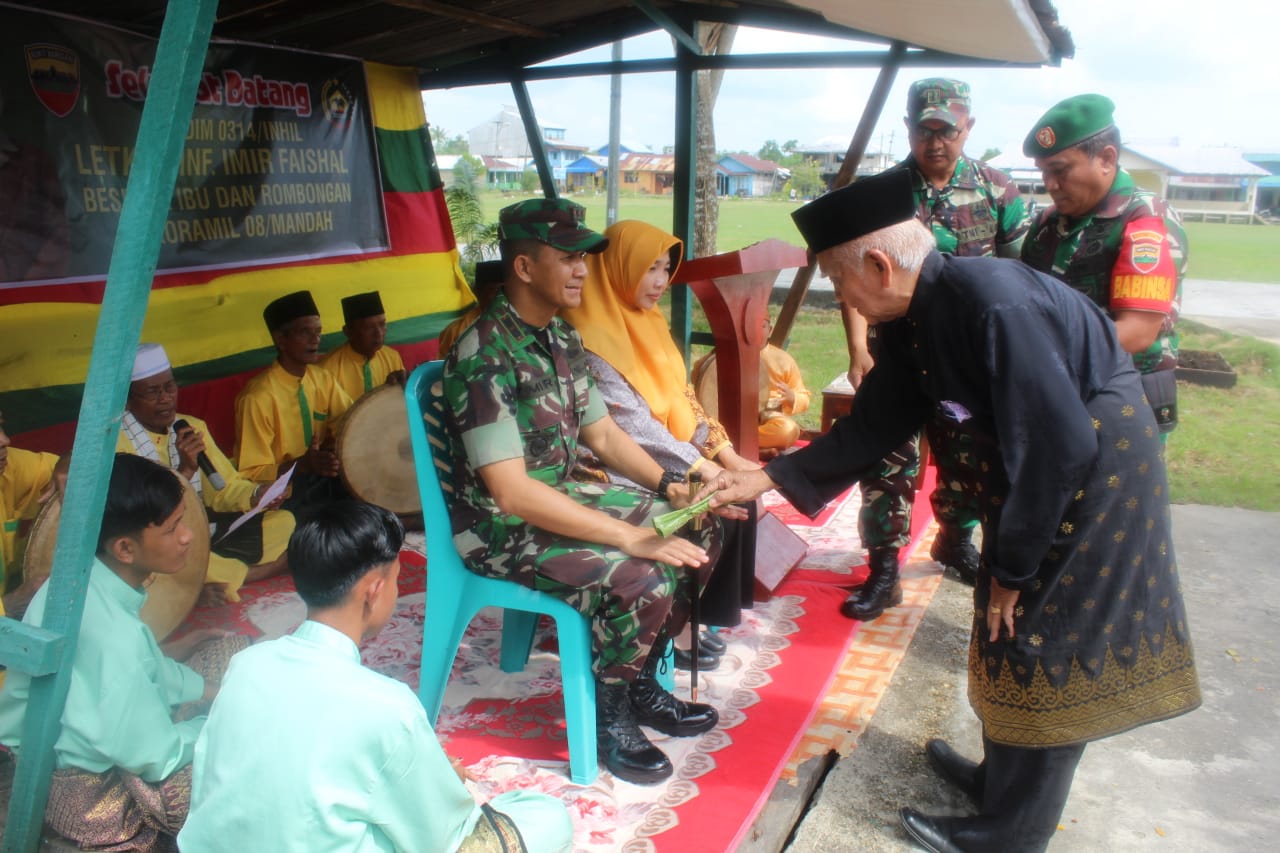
554 221
1068 123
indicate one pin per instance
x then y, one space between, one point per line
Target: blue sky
1179 70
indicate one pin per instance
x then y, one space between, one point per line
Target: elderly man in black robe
1079 629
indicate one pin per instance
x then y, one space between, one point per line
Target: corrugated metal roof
1199 161
493 35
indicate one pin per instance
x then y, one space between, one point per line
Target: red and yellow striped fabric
210 321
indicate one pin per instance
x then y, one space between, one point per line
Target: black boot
953 548
931 833
709 641
656 708
683 659
956 769
623 748
880 592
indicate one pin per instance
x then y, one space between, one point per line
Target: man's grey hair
906 243
1094 145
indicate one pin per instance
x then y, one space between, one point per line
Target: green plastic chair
455 594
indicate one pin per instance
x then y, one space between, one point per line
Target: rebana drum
377 458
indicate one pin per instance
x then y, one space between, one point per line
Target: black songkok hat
866 205
361 305
288 308
488 275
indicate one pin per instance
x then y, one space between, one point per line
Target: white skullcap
150 360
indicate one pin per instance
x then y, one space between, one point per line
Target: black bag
1161 389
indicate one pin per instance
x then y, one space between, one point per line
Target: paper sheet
273 491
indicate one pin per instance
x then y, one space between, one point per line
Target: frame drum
169 597
377 458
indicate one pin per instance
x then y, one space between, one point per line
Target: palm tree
477 239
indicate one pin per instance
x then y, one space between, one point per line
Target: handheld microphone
215 479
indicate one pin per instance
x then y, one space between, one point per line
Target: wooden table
837 399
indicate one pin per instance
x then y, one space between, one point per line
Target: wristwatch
669 478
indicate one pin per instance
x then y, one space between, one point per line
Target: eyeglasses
152 393
926 134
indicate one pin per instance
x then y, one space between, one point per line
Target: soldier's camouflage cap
938 98
554 221
1068 123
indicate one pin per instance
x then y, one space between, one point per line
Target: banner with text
279 163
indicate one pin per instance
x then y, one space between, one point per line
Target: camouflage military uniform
1130 252
515 391
978 213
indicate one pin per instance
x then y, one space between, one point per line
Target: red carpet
509 727
792 517
777 669
836 556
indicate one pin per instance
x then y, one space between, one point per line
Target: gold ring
995 610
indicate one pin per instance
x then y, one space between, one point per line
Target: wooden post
848 169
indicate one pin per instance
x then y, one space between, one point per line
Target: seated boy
123 766
364 362
306 749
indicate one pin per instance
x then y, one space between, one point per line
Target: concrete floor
1206 781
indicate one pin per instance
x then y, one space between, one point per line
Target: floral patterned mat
509 728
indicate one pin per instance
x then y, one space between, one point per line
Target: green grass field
1217 251
1233 252
742 221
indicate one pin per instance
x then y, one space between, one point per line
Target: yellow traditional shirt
23 480
238 494
356 374
270 424
783 370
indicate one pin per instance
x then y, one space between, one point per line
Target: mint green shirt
307 750
123 689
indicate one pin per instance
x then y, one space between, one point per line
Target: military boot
953 548
623 748
656 708
880 592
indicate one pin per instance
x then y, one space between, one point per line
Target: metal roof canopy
482 42
464 38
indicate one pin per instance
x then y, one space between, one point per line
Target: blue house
586 174
746 176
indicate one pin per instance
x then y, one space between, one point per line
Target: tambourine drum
169 597
376 455
705 386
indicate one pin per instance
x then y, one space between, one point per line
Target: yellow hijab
636 343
